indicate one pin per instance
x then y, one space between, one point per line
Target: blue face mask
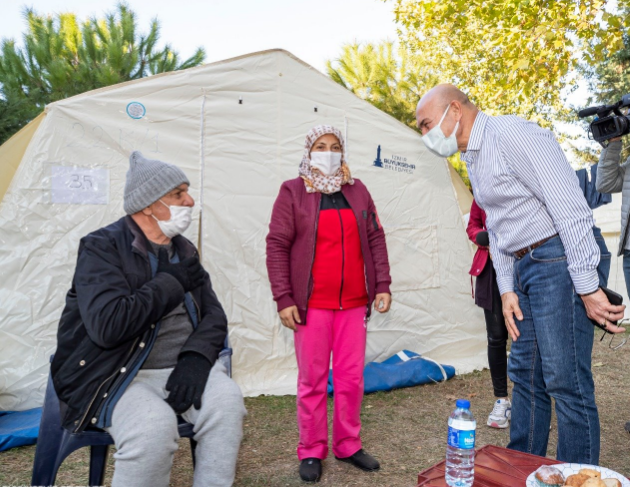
438 143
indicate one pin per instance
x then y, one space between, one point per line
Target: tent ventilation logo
393 163
136 110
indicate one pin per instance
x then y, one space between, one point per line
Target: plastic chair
55 443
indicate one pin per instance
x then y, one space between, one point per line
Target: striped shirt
523 181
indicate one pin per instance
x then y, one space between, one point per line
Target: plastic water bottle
460 451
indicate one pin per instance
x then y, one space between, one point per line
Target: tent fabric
404 369
19 428
464 196
237 129
12 151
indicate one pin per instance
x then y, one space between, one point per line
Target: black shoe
311 469
362 460
628 426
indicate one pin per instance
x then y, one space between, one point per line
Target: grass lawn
404 429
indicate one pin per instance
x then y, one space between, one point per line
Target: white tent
237 128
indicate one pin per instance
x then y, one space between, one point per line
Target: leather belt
523 252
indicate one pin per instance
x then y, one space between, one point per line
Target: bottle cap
463 403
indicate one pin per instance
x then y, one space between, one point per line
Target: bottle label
461 439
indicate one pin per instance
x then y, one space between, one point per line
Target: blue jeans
603 269
552 358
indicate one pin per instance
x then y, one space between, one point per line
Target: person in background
595 199
140 335
614 177
487 296
327 263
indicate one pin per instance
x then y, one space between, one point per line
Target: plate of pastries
575 475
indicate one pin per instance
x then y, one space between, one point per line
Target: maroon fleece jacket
292 238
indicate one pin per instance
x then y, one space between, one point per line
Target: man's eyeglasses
620 342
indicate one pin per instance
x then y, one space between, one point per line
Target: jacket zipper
87 410
367 284
343 253
192 297
310 281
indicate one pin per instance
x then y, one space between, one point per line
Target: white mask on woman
181 217
438 143
327 162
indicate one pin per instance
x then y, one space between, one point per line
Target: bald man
545 256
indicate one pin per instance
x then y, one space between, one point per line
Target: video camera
609 121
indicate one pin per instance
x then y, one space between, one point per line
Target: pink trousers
343 333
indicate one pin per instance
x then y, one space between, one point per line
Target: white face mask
438 143
181 217
327 162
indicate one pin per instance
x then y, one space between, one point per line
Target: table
494 467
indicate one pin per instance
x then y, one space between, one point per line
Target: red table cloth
494 467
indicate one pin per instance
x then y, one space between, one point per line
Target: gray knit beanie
148 180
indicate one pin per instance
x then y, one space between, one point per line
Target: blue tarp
405 369
19 428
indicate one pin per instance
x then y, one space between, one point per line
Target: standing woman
487 296
327 263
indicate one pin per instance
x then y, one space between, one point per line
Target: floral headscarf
315 181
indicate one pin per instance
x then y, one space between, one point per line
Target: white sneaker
501 414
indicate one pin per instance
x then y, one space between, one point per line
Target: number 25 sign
79 186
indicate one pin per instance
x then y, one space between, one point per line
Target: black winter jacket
109 321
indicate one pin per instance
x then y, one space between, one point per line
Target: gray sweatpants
144 429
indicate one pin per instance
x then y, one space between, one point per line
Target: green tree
389 78
11 117
62 57
511 56
610 80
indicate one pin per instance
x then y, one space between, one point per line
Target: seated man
139 338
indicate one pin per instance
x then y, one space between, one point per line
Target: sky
313 31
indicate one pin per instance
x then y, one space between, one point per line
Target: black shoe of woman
362 460
311 469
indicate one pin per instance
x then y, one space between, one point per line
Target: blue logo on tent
378 162
393 163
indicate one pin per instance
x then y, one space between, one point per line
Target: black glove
188 272
482 239
187 382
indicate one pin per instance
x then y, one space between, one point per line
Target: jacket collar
141 244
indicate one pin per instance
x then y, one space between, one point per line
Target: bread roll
576 480
612 482
594 482
590 472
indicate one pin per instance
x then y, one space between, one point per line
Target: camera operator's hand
616 139
511 309
188 272
599 309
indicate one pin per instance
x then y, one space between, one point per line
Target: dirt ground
404 429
